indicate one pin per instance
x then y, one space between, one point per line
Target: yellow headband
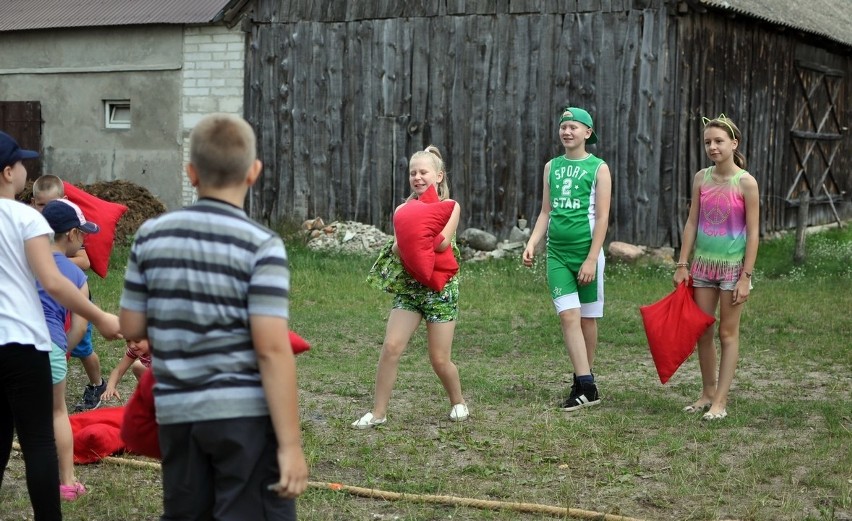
721 119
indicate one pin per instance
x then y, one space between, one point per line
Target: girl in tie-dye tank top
721 237
723 229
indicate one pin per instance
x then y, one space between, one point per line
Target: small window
117 113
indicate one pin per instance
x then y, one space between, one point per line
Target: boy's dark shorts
242 455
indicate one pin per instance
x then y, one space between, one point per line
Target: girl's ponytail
739 159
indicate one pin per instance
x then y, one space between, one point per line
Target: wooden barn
342 92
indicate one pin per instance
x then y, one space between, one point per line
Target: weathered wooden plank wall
747 71
343 92
739 71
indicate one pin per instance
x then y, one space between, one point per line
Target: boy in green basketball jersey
575 214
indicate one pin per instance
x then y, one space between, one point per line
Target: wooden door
816 134
22 121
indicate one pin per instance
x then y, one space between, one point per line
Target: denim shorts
84 348
723 285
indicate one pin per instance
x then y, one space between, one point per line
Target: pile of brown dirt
141 204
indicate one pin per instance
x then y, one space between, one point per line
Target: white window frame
112 110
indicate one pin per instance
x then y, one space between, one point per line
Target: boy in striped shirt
209 288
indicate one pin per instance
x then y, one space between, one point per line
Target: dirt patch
141 204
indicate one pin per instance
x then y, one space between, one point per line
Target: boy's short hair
48 184
222 148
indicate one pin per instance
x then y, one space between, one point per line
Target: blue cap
11 153
63 215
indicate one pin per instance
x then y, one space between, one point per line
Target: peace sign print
716 209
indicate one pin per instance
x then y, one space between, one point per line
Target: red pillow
673 326
139 429
446 266
430 196
298 344
416 225
95 442
96 434
106 215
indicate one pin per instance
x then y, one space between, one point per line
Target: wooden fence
342 93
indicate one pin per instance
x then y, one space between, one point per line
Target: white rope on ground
486 504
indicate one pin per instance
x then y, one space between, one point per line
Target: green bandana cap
580 116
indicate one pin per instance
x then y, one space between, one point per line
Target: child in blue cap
26 399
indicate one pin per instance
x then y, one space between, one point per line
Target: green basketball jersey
572 202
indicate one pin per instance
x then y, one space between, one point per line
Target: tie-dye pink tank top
721 238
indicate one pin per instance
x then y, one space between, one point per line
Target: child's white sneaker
368 422
459 412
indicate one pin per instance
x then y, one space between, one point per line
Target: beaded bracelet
682 264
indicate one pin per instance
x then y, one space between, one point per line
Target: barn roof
18 15
831 19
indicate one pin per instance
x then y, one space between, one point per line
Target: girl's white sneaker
459 412
368 422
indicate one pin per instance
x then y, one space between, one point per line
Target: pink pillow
430 196
416 226
106 215
446 266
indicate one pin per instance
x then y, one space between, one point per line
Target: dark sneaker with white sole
91 397
582 395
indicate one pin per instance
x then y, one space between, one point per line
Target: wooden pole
833 209
534 508
564 512
801 226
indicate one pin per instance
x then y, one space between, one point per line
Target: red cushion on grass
106 215
95 442
416 224
96 434
673 325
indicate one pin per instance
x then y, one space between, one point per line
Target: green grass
827 254
783 453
